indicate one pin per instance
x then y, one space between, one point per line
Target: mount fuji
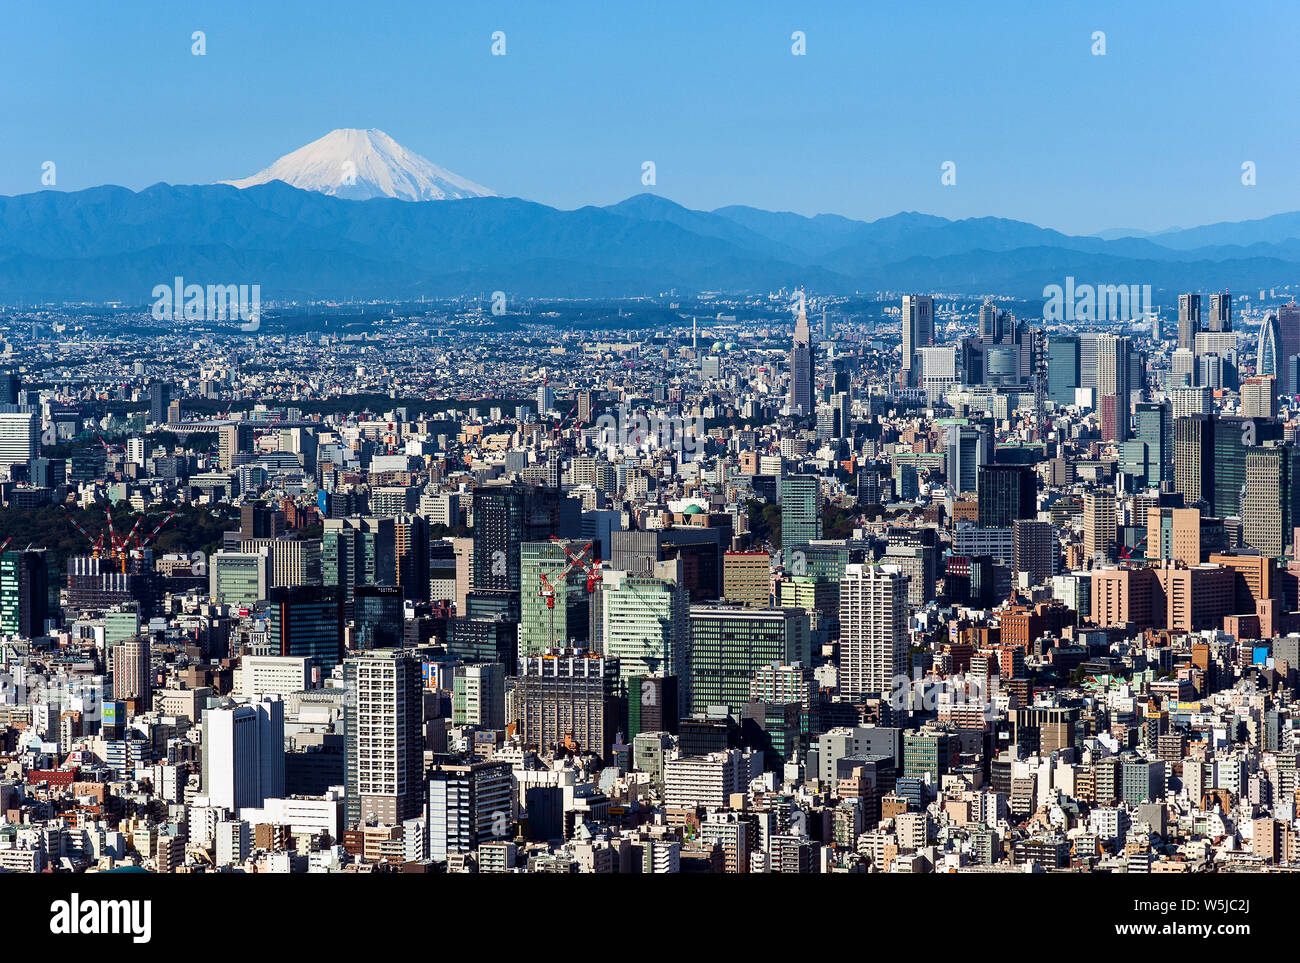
361 164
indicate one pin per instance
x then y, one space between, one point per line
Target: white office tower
243 753
873 629
20 434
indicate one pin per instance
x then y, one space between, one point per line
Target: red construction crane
576 562
96 544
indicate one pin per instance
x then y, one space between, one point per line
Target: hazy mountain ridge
110 243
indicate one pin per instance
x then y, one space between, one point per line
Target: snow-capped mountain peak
361 164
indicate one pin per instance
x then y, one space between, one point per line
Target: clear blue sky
1150 135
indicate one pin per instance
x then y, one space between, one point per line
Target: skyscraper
645 625
1259 397
24 590
801 511
1270 498
1155 430
20 435
918 330
1005 493
1194 459
1098 523
1033 550
873 629
554 613
801 364
383 740
358 551
990 323
160 396
729 644
307 621
1268 351
1062 368
9 387
967 448
1220 318
1189 319
1233 439
1113 386
1288 330
506 516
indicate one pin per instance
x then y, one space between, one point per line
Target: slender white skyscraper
873 629
801 364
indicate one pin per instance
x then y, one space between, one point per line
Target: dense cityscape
791 583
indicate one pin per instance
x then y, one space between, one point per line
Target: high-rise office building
1220 316
378 613
1189 319
383 740
243 753
801 511
24 592
306 621
747 578
1033 550
555 609
506 516
1259 397
1233 439
411 542
1174 534
545 400
1183 369
240 579
873 629
478 696
1268 350
1062 368
918 330
645 625
1271 498
1188 400
160 397
801 374
1005 493
20 435
990 323
966 449
1194 459
358 551
9 387
730 643
1154 429
1113 369
232 441
1288 335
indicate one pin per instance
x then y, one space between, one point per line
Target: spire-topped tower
801 362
